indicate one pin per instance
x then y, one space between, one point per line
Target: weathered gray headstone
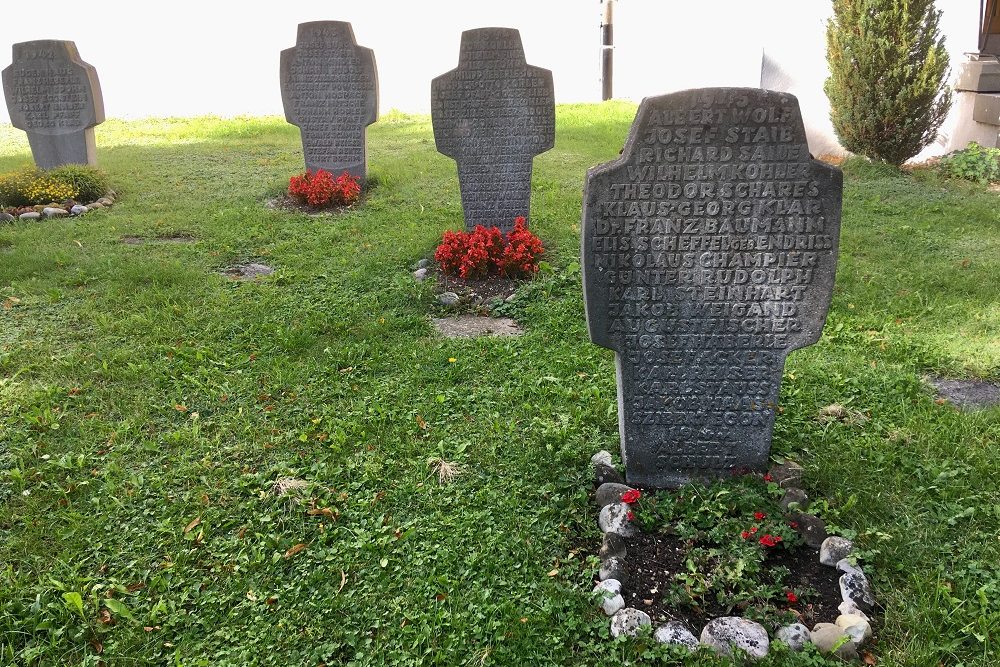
329 89
492 115
708 249
56 98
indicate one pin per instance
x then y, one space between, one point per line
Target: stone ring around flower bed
53 210
842 638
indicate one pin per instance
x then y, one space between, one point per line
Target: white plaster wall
191 57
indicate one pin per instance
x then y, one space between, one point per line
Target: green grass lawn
148 404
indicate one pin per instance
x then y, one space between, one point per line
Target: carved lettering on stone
329 89
56 98
708 250
492 115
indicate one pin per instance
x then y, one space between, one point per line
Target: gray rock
604 474
602 458
608 586
612 605
105 201
675 633
657 453
614 519
848 608
845 566
612 546
511 298
787 475
612 568
796 636
834 549
811 528
419 275
6 217
448 299
610 492
43 76
857 626
30 215
628 621
610 599
424 264
94 205
831 640
79 209
855 588
724 635
53 212
492 115
794 500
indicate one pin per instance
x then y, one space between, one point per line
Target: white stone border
107 201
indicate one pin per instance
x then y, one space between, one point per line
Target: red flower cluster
792 597
485 251
760 516
768 477
747 533
770 540
520 255
631 496
320 189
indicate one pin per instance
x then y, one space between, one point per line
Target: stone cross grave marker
56 98
329 89
708 250
492 115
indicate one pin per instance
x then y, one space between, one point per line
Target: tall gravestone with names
492 115
329 89
56 98
708 250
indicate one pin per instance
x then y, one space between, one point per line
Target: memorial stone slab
56 98
492 115
329 89
708 250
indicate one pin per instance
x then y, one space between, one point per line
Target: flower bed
69 190
482 268
318 192
734 559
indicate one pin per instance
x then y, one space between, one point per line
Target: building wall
222 57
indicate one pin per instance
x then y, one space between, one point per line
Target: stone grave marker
492 115
708 250
329 89
56 98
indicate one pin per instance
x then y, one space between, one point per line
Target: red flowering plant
320 189
631 496
739 551
486 251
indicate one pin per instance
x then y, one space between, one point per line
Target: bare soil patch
967 394
470 326
248 271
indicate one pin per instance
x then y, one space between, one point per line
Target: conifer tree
888 76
